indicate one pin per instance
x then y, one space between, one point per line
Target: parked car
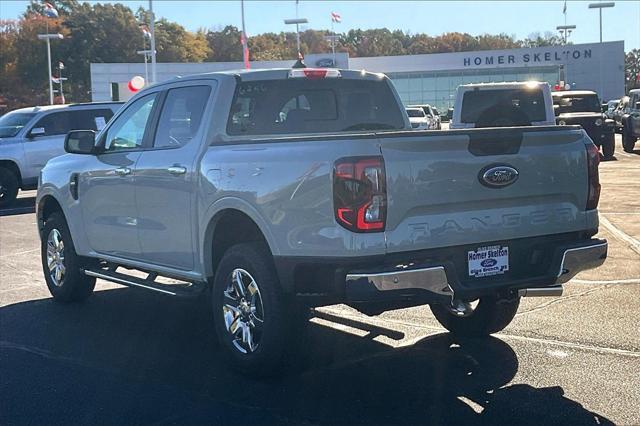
582 107
29 137
503 105
621 110
270 191
432 116
611 107
630 119
418 118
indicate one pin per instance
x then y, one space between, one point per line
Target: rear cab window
299 106
511 106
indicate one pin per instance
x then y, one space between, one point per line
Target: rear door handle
123 171
177 170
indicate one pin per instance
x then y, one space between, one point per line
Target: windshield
12 122
582 103
299 106
415 113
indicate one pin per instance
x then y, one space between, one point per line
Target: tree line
112 33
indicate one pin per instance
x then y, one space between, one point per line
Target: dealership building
431 78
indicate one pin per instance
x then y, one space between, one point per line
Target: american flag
335 17
50 11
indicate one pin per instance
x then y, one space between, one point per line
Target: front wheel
61 265
9 186
490 315
252 316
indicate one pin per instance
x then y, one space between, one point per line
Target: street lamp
48 38
565 31
297 22
601 6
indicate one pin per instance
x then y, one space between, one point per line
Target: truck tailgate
438 198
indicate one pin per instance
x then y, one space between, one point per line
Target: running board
178 290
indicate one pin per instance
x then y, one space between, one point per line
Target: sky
518 18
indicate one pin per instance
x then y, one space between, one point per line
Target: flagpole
333 43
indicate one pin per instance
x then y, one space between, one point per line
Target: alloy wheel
243 311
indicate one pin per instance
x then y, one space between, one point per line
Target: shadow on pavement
22 205
127 357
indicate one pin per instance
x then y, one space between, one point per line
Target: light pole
146 54
153 42
565 32
601 6
48 38
297 22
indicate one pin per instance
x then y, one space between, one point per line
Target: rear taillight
360 194
593 159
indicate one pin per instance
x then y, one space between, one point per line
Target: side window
56 123
128 131
181 116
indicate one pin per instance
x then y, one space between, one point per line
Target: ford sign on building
431 78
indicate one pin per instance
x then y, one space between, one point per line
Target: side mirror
37 131
80 142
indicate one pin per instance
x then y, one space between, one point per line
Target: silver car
29 137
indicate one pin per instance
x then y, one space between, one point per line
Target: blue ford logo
498 176
488 263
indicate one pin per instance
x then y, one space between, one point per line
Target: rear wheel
252 316
61 265
490 315
9 186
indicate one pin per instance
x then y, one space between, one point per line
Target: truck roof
504 85
573 93
41 108
274 74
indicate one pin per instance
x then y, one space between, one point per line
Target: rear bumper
423 277
434 280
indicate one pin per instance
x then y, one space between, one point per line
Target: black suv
582 107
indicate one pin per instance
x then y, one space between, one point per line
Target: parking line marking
633 243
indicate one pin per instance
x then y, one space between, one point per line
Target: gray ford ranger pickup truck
272 191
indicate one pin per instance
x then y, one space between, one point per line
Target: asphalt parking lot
130 357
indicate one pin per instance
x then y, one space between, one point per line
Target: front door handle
123 171
177 170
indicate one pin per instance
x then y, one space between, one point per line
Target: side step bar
541 291
178 290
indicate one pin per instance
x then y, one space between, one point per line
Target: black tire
74 286
628 141
273 336
609 147
9 186
490 316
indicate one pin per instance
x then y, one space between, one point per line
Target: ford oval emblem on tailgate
498 176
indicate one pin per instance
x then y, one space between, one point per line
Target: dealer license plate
487 261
